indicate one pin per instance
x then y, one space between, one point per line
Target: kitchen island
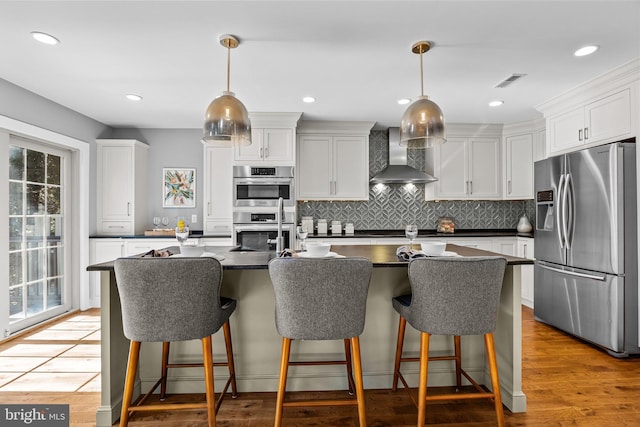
257 345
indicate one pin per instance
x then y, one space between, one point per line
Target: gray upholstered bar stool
173 299
451 296
321 299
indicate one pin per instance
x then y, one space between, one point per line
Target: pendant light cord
421 75
229 64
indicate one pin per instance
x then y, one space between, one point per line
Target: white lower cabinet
141 246
505 245
525 250
101 250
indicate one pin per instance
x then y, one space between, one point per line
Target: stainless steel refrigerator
586 249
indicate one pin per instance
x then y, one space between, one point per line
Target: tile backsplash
393 206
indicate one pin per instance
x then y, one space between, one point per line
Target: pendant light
422 123
227 118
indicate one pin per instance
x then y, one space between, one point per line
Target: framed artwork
179 188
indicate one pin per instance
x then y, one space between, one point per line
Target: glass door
38 276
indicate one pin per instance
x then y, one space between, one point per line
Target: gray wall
397 205
28 107
179 148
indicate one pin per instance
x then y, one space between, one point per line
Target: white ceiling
353 56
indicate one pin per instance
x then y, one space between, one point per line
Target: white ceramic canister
307 222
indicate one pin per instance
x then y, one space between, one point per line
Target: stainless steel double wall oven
256 191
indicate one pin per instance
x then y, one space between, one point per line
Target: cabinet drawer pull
509 187
208 208
580 135
470 187
586 133
261 151
266 151
115 226
128 208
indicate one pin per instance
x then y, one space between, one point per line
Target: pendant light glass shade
227 119
422 123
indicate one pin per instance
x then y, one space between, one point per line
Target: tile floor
64 356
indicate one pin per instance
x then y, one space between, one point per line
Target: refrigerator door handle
573 273
559 211
565 209
568 208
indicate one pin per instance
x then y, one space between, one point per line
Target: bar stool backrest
165 299
320 299
455 296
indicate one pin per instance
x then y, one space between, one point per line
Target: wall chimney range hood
398 172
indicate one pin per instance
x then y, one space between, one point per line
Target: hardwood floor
567 382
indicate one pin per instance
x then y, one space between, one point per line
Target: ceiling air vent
509 80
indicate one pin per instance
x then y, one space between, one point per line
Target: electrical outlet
194 219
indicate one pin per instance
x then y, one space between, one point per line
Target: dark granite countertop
380 255
369 234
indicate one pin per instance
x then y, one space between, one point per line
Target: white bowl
318 249
192 250
434 248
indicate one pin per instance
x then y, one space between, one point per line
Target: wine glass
411 231
182 234
302 235
156 222
165 221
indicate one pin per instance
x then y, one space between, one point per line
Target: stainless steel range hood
398 172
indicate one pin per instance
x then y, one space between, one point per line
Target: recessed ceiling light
404 101
133 97
44 38
587 50
496 103
308 99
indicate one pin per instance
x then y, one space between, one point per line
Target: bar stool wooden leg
282 382
458 359
402 325
495 381
226 328
347 356
422 383
129 382
357 364
165 363
208 380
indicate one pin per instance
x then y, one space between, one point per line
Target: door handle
470 187
128 208
509 187
565 216
261 151
266 151
586 133
208 208
580 135
573 273
559 209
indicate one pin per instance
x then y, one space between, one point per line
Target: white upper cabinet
601 120
218 190
121 187
273 138
333 161
600 111
467 167
519 166
267 145
523 145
